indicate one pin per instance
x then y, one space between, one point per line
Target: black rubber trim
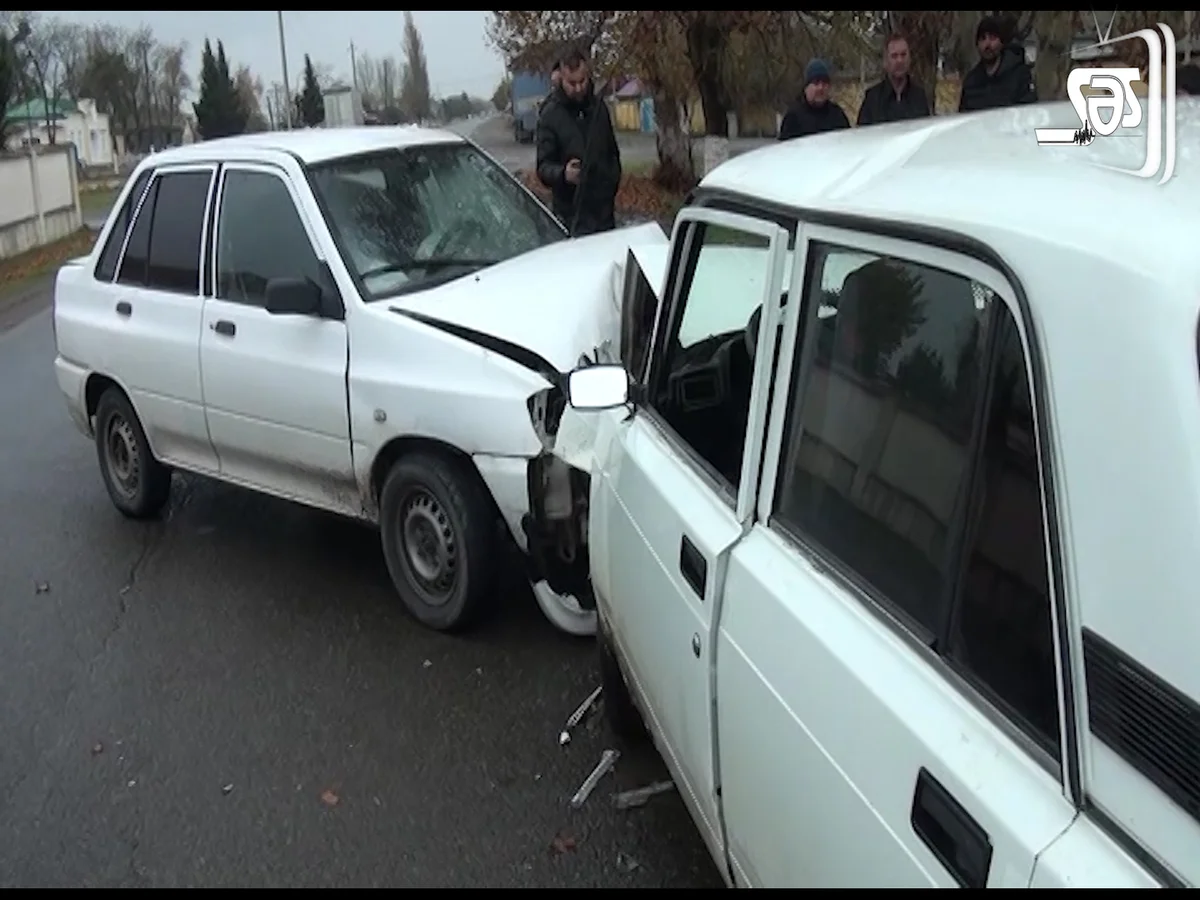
507 349
956 242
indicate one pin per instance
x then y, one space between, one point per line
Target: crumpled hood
559 301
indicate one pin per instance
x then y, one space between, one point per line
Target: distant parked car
362 320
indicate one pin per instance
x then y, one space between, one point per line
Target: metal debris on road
581 712
42 587
227 789
608 759
627 863
97 748
639 796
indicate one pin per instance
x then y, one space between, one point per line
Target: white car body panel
797 729
302 407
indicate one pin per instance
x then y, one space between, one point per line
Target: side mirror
598 387
293 296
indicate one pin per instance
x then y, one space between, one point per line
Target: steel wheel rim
122 455
428 546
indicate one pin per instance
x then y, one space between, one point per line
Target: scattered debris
639 796
97 748
581 712
42 587
132 782
562 843
427 663
329 798
627 863
227 789
608 759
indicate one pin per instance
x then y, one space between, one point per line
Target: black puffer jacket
803 119
568 130
1011 84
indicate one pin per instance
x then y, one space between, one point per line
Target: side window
249 255
106 268
899 464
137 251
703 380
178 226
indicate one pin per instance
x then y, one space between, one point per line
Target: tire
437 525
620 712
138 484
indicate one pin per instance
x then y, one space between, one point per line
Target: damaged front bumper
559 483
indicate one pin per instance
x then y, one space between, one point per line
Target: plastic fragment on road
608 759
639 796
581 712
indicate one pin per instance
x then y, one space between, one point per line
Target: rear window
106 268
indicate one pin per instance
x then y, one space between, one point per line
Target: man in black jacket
1002 77
577 154
813 112
897 97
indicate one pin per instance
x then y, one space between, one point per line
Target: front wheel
138 484
436 523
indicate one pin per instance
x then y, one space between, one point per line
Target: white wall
55 186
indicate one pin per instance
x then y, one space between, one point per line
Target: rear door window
106 268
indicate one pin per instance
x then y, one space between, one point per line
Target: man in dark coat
1002 77
813 112
897 97
577 154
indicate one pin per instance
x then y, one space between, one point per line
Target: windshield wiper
445 262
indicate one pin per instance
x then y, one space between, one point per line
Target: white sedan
369 321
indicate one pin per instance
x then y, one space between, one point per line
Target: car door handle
693 565
124 308
225 327
950 832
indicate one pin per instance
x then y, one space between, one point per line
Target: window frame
213 221
850 585
131 201
684 255
157 173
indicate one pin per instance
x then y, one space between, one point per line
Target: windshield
414 217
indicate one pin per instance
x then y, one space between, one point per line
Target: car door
888 670
274 385
669 495
149 319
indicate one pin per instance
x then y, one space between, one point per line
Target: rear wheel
138 484
437 527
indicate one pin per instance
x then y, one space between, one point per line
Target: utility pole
287 85
353 68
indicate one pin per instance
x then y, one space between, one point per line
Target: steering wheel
461 228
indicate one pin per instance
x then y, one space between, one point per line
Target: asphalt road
232 697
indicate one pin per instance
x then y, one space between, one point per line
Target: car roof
311 145
979 172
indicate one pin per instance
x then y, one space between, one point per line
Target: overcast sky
455 46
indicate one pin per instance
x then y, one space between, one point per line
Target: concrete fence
39 198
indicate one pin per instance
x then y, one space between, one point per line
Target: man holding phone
577 154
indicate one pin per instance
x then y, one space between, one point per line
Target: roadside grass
97 201
43 260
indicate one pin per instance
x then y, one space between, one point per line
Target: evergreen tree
415 98
310 104
219 111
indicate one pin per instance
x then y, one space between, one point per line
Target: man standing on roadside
1002 77
897 97
813 112
577 154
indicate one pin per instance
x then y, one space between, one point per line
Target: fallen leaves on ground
562 843
638 196
46 258
329 798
